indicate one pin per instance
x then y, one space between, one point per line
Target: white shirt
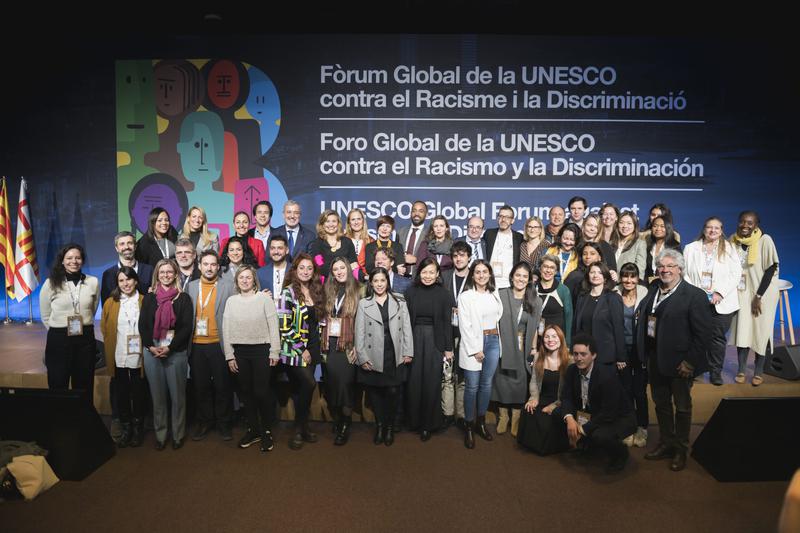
503 253
278 276
263 237
127 324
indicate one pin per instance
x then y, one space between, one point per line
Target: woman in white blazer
713 265
479 311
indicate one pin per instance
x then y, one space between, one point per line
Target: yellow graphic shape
162 124
123 159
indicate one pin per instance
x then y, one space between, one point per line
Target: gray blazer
225 290
369 332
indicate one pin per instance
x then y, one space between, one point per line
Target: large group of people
561 326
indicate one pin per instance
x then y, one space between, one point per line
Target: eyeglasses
506 217
534 227
474 227
184 252
667 267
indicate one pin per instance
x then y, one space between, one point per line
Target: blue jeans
478 383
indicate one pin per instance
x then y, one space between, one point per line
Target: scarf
752 244
165 315
441 247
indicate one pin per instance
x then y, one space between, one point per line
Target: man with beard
412 236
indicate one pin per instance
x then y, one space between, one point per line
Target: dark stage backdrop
466 123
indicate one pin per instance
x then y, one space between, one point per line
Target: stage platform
22 365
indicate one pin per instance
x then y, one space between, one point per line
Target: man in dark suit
474 238
412 236
125 244
385 258
262 214
272 275
671 335
594 405
298 236
502 246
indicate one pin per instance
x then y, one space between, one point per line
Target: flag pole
7 320
30 311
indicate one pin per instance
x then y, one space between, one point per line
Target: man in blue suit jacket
272 275
125 244
298 237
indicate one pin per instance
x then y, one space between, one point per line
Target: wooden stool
783 296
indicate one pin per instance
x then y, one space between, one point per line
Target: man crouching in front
594 405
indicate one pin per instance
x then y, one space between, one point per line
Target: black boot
388 436
481 429
125 435
469 437
379 434
343 434
306 433
137 432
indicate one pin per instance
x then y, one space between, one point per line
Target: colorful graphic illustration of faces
201 148
136 130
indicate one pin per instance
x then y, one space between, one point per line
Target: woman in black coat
159 241
600 313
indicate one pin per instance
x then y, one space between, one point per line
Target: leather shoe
177 444
469 436
379 434
425 435
678 462
661 452
160 445
618 463
226 433
481 429
716 379
201 432
388 436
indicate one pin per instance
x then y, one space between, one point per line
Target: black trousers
609 436
720 324
384 402
129 390
424 387
212 384
71 359
303 383
254 384
674 421
634 380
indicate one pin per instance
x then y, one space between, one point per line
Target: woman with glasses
534 244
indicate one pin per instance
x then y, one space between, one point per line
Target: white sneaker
640 438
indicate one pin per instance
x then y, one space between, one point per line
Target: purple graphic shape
248 193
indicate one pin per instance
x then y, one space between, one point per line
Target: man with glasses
671 332
502 246
474 238
185 256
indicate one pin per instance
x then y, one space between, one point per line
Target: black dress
392 375
542 433
340 374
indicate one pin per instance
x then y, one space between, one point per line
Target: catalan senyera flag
26 277
6 250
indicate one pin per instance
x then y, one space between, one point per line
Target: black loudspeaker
784 362
61 421
750 439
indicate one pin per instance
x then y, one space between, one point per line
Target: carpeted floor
412 486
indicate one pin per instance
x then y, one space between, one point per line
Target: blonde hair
204 234
171 263
321 223
252 270
534 218
363 235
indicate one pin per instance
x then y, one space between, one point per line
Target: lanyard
357 243
165 251
338 304
132 323
661 297
75 296
203 304
458 292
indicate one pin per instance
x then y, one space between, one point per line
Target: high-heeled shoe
481 430
469 436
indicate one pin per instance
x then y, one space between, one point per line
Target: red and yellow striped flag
26 277
6 250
